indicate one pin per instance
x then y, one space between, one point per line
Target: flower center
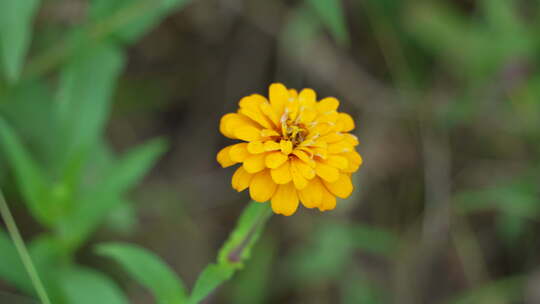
295 132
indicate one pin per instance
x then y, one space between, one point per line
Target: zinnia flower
295 149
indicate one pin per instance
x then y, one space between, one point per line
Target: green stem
22 250
235 255
237 248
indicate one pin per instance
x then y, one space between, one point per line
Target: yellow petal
262 187
282 175
250 107
247 133
319 143
306 171
259 98
255 163
336 161
311 196
286 146
300 182
327 104
321 128
285 200
307 97
354 159
251 102
269 112
320 152
342 188
346 121
340 147
333 137
326 172
328 201
223 157
224 122
255 147
256 116
271 146
330 118
279 96
307 115
275 159
241 179
269 133
239 152
308 151
304 157
293 93
232 122
351 139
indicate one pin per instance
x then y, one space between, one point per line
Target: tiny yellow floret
295 149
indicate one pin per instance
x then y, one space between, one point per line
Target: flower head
295 149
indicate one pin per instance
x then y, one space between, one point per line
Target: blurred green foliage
52 138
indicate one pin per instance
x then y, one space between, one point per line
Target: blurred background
109 114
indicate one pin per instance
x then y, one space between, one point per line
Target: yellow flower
295 149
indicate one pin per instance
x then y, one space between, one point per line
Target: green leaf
85 91
131 168
86 286
15 33
26 107
147 269
44 252
107 194
128 20
234 252
237 248
89 212
209 280
30 178
49 256
331 15
12 269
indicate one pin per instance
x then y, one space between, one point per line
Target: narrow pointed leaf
11 268
86 286
332 17
237 248
147 269
16 18
209 280
108 192
86 86
128 20
29 175
131 167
